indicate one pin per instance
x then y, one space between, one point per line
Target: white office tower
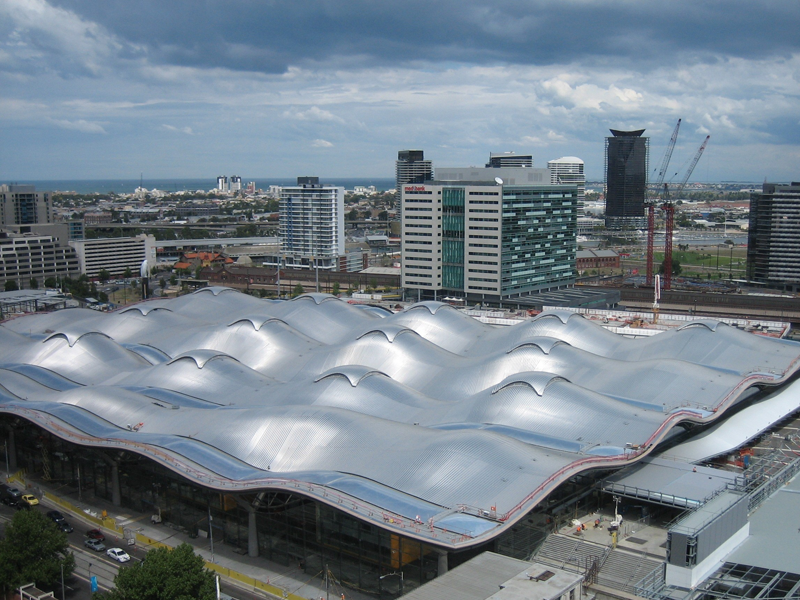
222 183
236 183
569 169
311 223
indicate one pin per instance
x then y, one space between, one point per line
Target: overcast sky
96 89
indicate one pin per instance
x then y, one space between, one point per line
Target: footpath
254 575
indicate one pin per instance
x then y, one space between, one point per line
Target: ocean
128 186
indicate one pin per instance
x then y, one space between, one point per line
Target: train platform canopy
740 428
668 482
424 422
774 530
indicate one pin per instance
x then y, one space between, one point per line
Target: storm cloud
275 88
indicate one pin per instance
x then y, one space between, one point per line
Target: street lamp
399 574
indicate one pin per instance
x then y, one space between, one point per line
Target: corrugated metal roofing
424 411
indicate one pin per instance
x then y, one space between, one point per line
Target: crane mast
669 215
651 219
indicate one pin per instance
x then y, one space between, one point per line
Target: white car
118 554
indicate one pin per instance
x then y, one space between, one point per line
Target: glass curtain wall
539 238
292 530
453 239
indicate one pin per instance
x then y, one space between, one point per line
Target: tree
51 282
103 275
127 274
352 215
162 282
298 290
166 574
33 550
11 286
336 288
34 283
173 279
676 266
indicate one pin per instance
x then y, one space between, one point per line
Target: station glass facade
292 530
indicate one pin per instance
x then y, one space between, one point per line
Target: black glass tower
627 154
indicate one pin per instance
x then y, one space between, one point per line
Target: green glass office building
488 240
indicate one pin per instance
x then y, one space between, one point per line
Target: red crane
669 215
651 204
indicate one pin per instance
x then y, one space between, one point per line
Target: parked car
95 534
30 499
95 545
118 554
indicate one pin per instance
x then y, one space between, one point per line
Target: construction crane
651 204
669 215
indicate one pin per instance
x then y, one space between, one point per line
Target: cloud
312 114
41 36
545 77
186 130
79 125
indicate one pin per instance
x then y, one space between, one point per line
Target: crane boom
692 166
667 156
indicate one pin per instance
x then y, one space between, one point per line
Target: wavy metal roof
425 421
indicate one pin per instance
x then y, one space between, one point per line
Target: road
89 563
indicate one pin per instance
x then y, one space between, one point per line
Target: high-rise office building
23 205
504 160
311 223
569 169
411 167
773 239
480 236
627 154
222 183
236 183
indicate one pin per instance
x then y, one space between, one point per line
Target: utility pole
211 532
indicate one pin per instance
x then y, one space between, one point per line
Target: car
30 499
55 516
13 495
64 526
95 545
9 501
118 554
95 534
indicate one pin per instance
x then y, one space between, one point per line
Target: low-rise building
27 256
114 255
596 259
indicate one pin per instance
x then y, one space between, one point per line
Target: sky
101 89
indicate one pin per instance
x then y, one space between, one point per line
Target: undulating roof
425 421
